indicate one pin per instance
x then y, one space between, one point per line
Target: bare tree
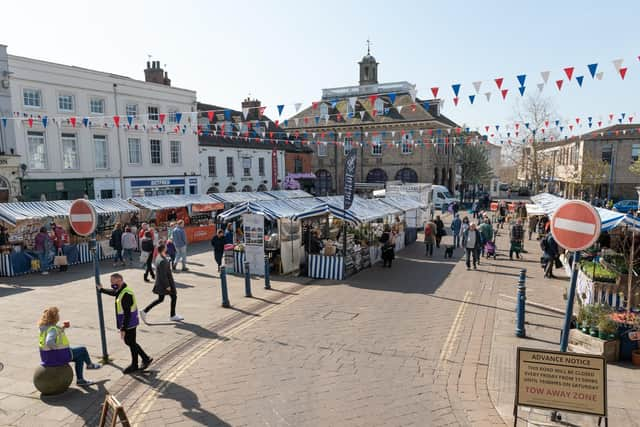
535 113
593 173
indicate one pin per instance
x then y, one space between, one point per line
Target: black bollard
247 280
520 304
267 280
223 285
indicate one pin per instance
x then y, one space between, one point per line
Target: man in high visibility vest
127 321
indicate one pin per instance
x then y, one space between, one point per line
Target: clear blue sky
287 51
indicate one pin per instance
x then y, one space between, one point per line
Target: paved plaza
425 343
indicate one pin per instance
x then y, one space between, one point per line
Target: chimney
155 74
253 105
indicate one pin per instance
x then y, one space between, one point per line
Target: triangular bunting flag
504 93
372 99
280 108
162 117
314 105
599 75
261 111
352 102
545 76
521 89
540 86
434 92
569 72
392 98
72 120
334 102
499 81
617 63
85 121
399 108
425 105
412 93
488 95
129 119
297 106
592 69
210 116
227 115
521 78
456 89
30 121
178 117
579 79
362 115
559 84
623 72
476 86
472 98
45 120
455 101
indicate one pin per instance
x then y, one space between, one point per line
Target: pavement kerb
536 304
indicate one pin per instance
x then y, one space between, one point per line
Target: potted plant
606 328
587 319
581 317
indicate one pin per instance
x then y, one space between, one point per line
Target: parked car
625 206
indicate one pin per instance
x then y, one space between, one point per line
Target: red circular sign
575 225
82 217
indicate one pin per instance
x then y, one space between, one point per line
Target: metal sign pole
568 316
96 271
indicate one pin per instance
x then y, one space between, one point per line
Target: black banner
349 178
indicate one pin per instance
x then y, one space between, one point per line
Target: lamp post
632 255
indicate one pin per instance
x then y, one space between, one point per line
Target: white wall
55 79
254 180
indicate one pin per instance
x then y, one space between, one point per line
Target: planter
586 344
635 357
603 335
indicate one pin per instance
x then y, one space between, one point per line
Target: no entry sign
575 225
82 217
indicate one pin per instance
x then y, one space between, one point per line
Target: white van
442 196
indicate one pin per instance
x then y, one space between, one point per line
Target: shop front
147 187
57 189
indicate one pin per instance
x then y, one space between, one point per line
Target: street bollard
247 280
520 304
223 283
267 280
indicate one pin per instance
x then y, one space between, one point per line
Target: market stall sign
206 207
561 381
575 225
82 217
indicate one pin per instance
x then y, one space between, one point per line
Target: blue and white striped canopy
20 211
403 202
272 209
248 207
170 201
241 196
289 194
609 219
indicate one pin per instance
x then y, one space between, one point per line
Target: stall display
23 221
195 210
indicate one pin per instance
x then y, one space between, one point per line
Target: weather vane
368 46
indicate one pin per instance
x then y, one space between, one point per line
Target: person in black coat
439 230
147 247
218 243
551 253
388 246
116 243
165 285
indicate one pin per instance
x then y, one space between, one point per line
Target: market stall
281 235
411 217
197 212
23 221
235 198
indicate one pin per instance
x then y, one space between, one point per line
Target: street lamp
632 253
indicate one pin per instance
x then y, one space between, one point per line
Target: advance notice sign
561 381
253 225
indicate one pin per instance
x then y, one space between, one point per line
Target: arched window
230 189
323 182
246 189
213 189
262 187
407 175
377 175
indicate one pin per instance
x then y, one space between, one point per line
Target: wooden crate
579 342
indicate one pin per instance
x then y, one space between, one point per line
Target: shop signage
206 207
274 168
193 180
82 217
59 185
157 182
561 381
575 225
349 178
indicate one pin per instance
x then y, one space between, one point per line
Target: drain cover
340 315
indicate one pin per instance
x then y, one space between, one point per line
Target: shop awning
326 208
364 209
170 201
20 211
247 207
402 202
289 194
272 209
550 203
241 196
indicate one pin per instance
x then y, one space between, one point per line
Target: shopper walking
179 237
43 246
388 245
516 236
471 243
127 320
55 349
146 255
475 208
218 247
429 238
165 285
439 230
533 225
129 244
116 243
456 228
551 252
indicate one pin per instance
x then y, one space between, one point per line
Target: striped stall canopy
326 208
247 207
610 219
171 201
289 194
272 209
241 197
20 211
365 210
403 202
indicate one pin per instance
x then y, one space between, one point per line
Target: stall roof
170 201
610 219
272 209
363 209
289 194
20 211
241 196
403 202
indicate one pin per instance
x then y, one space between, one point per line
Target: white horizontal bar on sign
575 226
81 217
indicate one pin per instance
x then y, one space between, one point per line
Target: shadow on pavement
83 402
199 331
12 290
187 398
